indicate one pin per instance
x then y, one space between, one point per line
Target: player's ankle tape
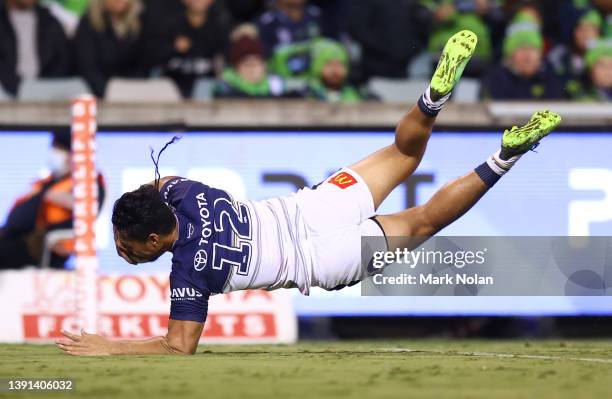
427 110
488 175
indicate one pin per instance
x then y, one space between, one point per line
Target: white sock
500 166
434 105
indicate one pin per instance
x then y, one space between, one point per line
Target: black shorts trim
373 218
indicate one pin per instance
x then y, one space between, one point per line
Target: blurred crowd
326 50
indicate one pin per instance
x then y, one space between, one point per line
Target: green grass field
360 369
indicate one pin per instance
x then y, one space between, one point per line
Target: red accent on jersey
343 180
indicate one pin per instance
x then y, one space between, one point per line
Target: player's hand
84 344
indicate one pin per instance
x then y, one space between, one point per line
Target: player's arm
184 330
182 339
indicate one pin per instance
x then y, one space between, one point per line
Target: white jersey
280 255
311 238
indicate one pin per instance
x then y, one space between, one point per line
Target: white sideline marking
500 355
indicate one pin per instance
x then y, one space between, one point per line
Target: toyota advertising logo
200 259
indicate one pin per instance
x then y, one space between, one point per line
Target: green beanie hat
524 34
591 17
602 48
324 51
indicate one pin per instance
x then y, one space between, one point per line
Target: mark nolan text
432 279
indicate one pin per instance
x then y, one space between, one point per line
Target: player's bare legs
411 227
389 167
384 170
457 197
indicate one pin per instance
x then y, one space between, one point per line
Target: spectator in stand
605 7
45 209
329 74
568 60
288 22
108 43
286 32
599 64
32 44
528 12
451 16
568 14
390 34
157 19
194 44
247 75
522 74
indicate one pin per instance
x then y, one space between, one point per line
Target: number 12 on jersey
237 252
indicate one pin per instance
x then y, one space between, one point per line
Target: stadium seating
51 239
51 89
397 90
202 90
406 90
142 90
467 91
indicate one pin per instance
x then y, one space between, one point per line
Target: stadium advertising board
563 189
135 306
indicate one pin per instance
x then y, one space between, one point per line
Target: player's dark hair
142 212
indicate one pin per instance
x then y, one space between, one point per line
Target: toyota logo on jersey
200 259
